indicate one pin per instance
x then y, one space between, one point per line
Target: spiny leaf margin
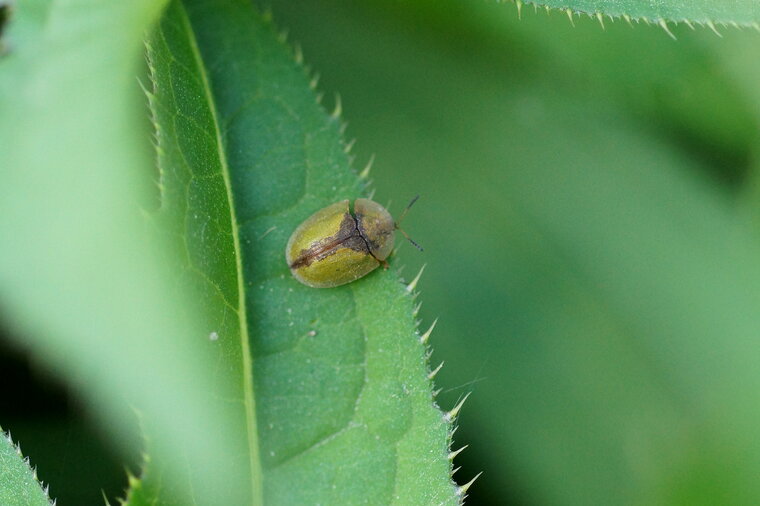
19 484
707 15
326 389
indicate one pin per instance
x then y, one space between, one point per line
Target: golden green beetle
337 245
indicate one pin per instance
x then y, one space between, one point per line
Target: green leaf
332 384
19 485
82 285
583 251
703 12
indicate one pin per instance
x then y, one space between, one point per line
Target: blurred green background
587 213
582 190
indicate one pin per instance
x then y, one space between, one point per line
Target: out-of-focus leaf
332 384
18 482
688 91
80 281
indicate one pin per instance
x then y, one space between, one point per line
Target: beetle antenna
409 205
409 238
403 214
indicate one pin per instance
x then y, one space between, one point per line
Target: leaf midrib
257 490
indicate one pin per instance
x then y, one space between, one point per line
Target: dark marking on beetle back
372 246
348 236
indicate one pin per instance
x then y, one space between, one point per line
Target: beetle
338 245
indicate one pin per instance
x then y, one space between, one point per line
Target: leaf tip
314 81
435 371
711 25
298 53
664 25
453 455
349 145
451 415
338 109
413 284
426 336
462 490
364 174
600 18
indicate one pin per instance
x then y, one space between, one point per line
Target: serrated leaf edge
661 22
17 446
449 417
